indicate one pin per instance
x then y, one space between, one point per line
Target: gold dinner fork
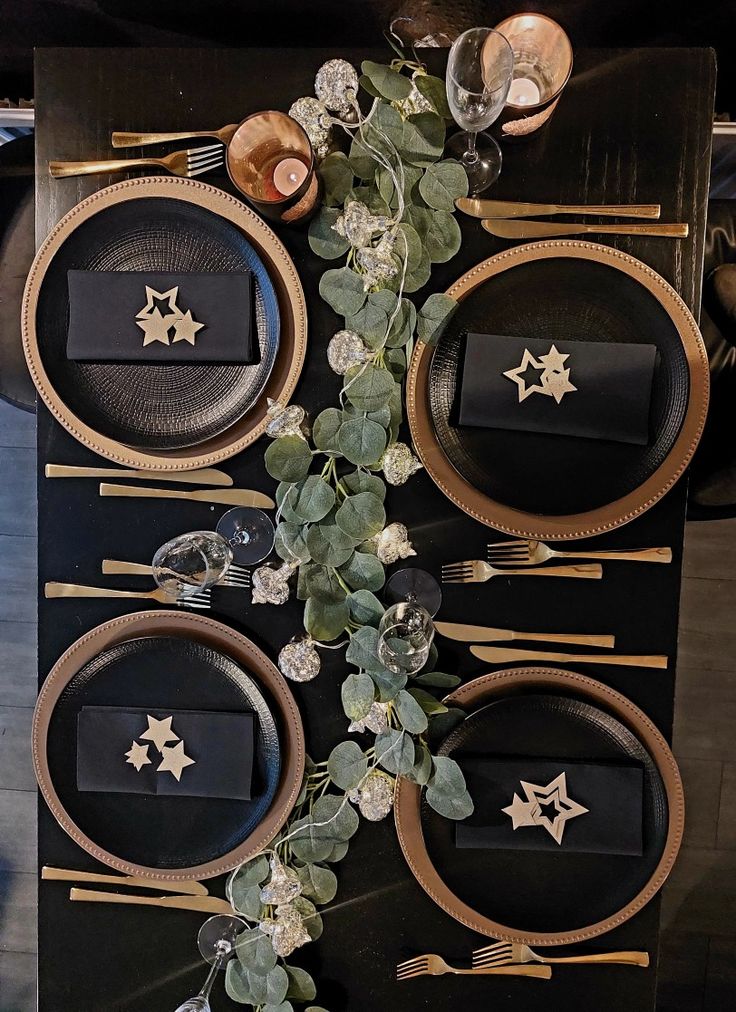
199 600
189 163
506 953
534 553
434 966
477 571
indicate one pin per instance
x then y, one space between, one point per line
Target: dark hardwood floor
698 967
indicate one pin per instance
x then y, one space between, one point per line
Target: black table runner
621 134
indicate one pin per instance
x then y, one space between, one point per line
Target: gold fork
199 600
505 953
476 571
434 966
189 163
534 553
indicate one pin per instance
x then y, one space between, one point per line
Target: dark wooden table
633 126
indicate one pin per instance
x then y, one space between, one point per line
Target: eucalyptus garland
388 214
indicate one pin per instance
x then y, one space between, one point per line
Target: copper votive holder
270 160
542 68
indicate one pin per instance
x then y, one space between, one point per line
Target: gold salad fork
199 600
434 966
189 163
477 571
534 553
506 953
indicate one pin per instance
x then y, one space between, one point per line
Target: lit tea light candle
289 175
523 91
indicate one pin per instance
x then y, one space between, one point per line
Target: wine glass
249 533
405 634
479 72
216 942
191 563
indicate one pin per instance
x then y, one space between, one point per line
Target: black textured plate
149 406
560 298
165 673
538 891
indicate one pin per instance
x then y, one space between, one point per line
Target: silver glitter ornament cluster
271 585
314 117
345 350
378 262
336 85
374 796
283 886
358 224
392 544
285 421
376 720
414 102
299 660
398 464
286 930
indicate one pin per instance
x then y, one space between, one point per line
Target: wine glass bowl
249 532
191 563
405 635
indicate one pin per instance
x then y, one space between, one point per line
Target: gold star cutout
558 383
521 812
138 756
150 306
566 808
174 760
516 376
156 327
159 732
553 361
186 327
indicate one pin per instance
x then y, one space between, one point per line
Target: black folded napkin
612 795
144 316
575 388
112 742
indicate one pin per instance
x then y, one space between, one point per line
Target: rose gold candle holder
270 160
542 68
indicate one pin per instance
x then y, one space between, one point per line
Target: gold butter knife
203 904
521 209
69 875
226 496
525 229
203 476
486 634
503 655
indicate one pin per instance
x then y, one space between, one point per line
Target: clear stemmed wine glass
249 532
216 942
191 563
479 72
405 635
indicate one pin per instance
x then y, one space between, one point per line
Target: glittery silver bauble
398 464
270 585
283 886
414 102
284 421
314 117
286 930
358 225
345 350
378 262
299 660
374 796
392 544
336 84
376 720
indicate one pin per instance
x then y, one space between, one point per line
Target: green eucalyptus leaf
338 852
361 160
384 130
410 713
420 275
323 584
326 426
435 91
438 680
247 901
365 608
368 387
269 989
290 543
337 178
442 183
340 815
285 491
408 246
284 1006
362 481
319 884
288 458
422 769
387 187
395 359
363 571
323 239
397 412
328 544
423 138
388 83
254 872
403 326
432 658
447 777
458 806
364 82
361 516
255 951
443 723
347 765
443 237
371 322
236 983
312 499
428 702
358 695
369 196
315 1008
342 289
308 911
312 843
362 651
395 751
382 415
301 985
325 622
361 440
388 683
421 219
434 316
302 590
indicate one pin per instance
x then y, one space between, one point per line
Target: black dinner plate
539 891
148 405
163 673
559 299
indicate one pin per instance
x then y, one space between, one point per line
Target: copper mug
542 68
270 160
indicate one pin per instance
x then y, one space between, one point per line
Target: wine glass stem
471 155
214 970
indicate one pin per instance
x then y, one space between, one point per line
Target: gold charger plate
407 802
222 639
612 514
292 308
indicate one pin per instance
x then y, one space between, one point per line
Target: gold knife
525 229
203 476
203 904
69 875
504 655
227 496
485 634
520 209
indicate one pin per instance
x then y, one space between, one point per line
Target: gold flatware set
190 895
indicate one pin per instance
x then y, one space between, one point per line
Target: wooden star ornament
174 760
159 732
138 756
186 327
